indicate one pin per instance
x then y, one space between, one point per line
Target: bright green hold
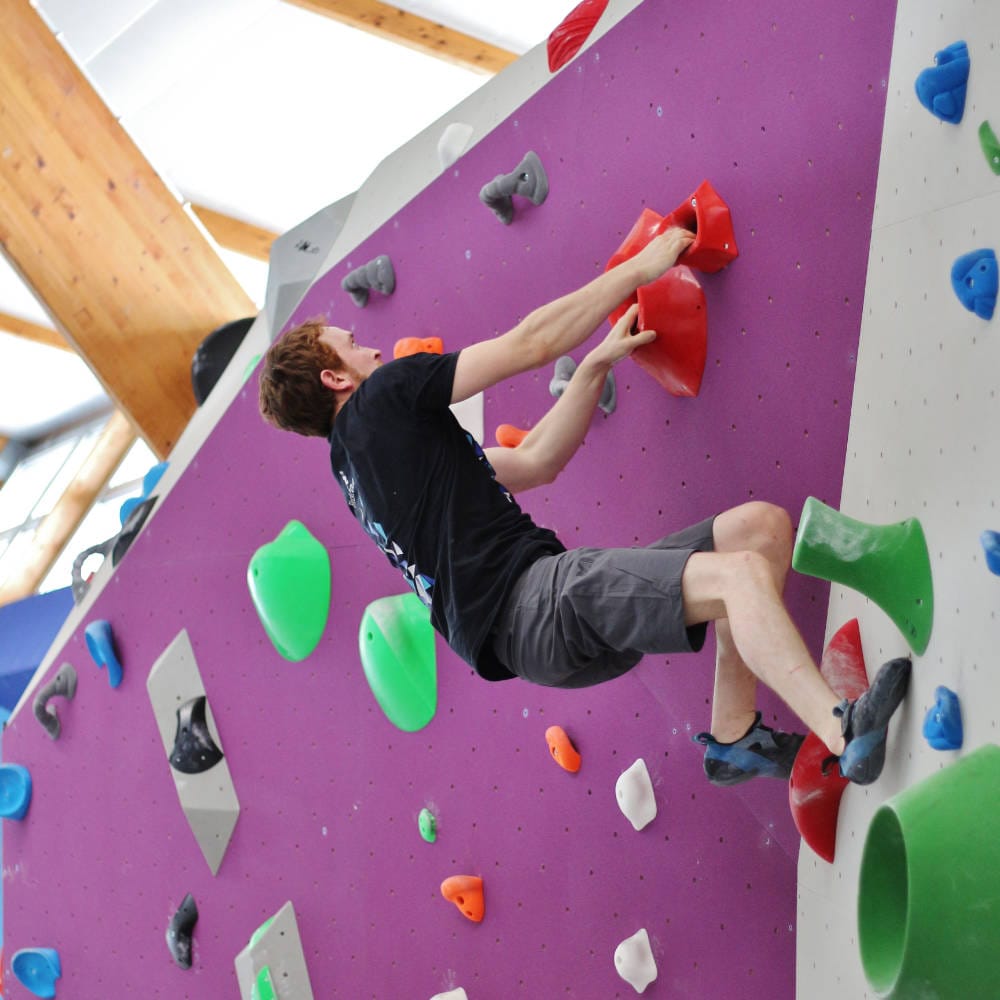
289 581
888 563
991 147
428 825
261 931
396 642
251 365
263 987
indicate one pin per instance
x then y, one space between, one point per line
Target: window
41 478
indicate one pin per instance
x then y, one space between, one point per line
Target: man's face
359 361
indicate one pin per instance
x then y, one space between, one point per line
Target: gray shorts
589 615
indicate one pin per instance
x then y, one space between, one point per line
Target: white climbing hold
634 961
452 143
635 795
456 994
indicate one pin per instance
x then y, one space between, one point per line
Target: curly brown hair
292 397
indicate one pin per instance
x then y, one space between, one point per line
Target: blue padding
28 628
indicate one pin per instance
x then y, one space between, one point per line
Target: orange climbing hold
466 892
509 436
417 345
562 749
814 797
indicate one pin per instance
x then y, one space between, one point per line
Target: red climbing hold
814 798
466 892
568 37
707 216
646 227
674 306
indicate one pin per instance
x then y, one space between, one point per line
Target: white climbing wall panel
923 442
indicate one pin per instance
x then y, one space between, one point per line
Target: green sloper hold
289 582
991 147
888 563
396 642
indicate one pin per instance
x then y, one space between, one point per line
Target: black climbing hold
180 930
214 354
194 749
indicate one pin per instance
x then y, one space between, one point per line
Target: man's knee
761 527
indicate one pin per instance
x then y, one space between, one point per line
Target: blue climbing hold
37 969
990 541
943 722
15 791
941 87
975 278
101 643
149 482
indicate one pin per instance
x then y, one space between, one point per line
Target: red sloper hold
814 798
707 216
574 29
674 306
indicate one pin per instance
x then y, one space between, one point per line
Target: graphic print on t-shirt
422 584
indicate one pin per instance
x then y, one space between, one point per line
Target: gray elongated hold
194 749
528 179
377 274
64 685
180 931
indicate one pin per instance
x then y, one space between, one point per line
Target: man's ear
335 379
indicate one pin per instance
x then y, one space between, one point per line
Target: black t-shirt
423 490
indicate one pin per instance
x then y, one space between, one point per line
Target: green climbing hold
991 147
261 931
263 987
396 642
289 581
428 825
887 563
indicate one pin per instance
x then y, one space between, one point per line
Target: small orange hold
562 749
466 892
417 345
509 436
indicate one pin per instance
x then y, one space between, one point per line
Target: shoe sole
864 757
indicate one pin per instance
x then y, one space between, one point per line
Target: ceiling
255 108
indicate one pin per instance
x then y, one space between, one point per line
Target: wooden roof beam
234 234
124 270
415 32
34 332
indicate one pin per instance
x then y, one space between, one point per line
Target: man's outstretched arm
554 440
562 325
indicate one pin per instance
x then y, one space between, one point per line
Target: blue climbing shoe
865 722
762 753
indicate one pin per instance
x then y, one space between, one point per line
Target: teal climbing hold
396 642
15 791
37 969
289 582
887 563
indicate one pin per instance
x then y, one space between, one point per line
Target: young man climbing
506 594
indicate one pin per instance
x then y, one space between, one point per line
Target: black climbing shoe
762 753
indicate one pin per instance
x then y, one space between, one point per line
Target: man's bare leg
757 527
759 638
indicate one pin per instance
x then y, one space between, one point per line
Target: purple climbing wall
782 111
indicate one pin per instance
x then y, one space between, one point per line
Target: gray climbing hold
64 685
180 931
527 179
275 945
377 274
564 369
